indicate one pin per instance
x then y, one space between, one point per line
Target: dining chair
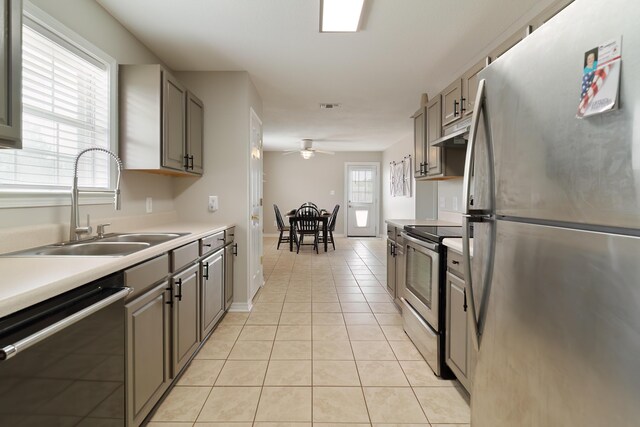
309 204
331 226
282 228
307 224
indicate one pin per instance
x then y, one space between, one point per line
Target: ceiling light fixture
340 16
307 154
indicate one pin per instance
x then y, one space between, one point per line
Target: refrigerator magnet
600 79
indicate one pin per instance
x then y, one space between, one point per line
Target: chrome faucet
74 230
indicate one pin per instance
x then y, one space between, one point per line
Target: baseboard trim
240 307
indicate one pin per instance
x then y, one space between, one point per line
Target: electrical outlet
332 192
213 203
149 204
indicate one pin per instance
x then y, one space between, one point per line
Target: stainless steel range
423 318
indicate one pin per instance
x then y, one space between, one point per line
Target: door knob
255 217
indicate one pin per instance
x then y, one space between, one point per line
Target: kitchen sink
110 245
151 238
92 249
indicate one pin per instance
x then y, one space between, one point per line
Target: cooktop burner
433 233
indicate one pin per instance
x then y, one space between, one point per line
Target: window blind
65 101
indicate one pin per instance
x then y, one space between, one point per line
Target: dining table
323 218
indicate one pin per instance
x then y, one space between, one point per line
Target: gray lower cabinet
212 291
186 316
10 73
391 267
230 253
148 320
459 353
457 330
400 268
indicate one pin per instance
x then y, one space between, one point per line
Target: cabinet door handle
179 286
455 108
186 162
464 305
191 162
235 249
462 109
170 299
205 270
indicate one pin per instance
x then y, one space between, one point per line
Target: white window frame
42 196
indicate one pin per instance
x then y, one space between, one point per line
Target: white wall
423 201
227 97
92 22
291 181
397 207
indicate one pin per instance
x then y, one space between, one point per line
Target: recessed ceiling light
329 106
340 16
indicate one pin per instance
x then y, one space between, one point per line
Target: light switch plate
213 203
332 192
149 204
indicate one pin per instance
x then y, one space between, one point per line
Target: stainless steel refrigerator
554 202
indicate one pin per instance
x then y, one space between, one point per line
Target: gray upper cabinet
470 86
174 123
434 131
186 316
509 43
157 133
212 291
148 351
549 13
10 73
419 142
451 110
195 132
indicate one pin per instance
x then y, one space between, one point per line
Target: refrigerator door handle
471 215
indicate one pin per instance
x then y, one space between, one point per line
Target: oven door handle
423 243
11 350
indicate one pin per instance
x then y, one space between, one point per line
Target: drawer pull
455 262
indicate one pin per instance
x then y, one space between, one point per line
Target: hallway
324 343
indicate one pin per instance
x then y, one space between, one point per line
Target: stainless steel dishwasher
62 361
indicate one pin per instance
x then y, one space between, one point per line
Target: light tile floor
324 344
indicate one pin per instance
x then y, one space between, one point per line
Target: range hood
455 139
456 135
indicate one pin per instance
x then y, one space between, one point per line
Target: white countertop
456 244
30 280
434 222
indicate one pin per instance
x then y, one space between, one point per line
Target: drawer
229 235
142 276
212 243
454 262
184 256
391 233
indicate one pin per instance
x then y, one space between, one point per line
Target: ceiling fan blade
325 152
286 153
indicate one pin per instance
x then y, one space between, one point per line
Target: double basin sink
109 245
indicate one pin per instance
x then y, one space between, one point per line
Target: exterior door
362 199
255 222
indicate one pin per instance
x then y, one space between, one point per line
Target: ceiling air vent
329 106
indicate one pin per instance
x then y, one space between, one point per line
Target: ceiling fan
306 150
